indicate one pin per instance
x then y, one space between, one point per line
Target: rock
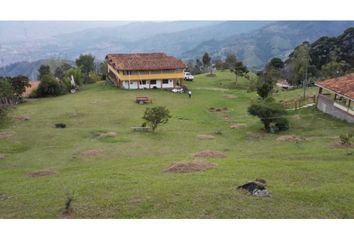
60 125
255 188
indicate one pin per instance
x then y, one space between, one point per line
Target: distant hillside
274 40
30 69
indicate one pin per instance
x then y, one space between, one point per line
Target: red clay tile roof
144 61
342 85
34 85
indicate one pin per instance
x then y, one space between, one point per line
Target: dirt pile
218 109
4 135
229 97
22 118
102 134
209 154
190 166
290 138
91 153
42 173
206 137
238 126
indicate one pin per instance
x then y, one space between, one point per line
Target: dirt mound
238 126
2 156
229 97
192 166
91 153
42 173
206 137
218 109
290 138
4 135
209 154
102 134
22 118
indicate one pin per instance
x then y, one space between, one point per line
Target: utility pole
306 73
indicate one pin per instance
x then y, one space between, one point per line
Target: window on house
143 82
153 82
165 81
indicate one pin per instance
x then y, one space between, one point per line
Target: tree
156 116
276 63
301 61
6 92
264 87
87 64
271 115
19 84
334 68
206 60
240 70
77 75
230 61
43 70
59 72
103 70
49 86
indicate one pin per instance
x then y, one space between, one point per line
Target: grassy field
124 176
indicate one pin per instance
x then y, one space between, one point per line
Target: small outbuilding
336 96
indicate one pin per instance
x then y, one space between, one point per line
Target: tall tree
19 84
334 68
43 70
87 64
230 61
206 60
239 70
300 64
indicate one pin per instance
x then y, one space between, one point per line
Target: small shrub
346 139
156 116
50 87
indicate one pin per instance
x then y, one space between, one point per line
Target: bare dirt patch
22 118
209 154
2 156
238 126
206 137
218 109
229 97
103 134
191 166
290 138
91 153
4 135
42 173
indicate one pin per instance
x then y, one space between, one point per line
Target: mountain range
253 42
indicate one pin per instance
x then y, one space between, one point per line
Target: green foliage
301 61
49 86
59 72
230 61
42 71
87 64
103 70
346 139
239 70
76 73
93 77
264 87
334 68
276 63
156 116
19 84
6 91
206 60
271 114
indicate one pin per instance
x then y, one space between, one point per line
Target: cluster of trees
11 90
59 81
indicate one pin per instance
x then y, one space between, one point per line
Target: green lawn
126 177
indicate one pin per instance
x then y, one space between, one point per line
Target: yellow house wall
159 76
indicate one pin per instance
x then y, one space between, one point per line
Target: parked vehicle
188 76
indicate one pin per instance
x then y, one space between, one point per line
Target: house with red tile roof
145 70
336 97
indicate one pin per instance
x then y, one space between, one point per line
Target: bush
345 139
271 115
92 78
3 114
50 87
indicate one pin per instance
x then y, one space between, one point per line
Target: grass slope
126 179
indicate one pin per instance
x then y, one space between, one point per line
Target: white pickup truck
188 76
